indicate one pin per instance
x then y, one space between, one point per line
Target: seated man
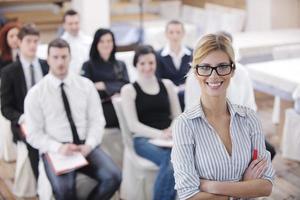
240 91
17 79
174 58
64 115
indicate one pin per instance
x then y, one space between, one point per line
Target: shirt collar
26 63
197 111
183 51
57 82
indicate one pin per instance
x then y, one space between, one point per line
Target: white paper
63 164
161 142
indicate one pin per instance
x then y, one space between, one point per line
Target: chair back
126 134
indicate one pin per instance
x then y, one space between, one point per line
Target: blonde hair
212 42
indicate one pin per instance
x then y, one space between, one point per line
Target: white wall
94 14
272 14
258 15
285 14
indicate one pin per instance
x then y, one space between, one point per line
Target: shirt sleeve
187 179
34 121
96 120
258 142
8 97
173 98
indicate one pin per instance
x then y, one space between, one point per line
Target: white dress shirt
80 49
176 58
240 90
46 119
38 74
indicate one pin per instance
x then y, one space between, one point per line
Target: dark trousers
181 99
110 115
101 168
34 158
271 149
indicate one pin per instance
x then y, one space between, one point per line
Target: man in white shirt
64 115
79 42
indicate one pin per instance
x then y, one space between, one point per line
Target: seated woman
108 73
214 140
8 44
150 105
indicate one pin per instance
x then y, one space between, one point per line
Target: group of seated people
65 103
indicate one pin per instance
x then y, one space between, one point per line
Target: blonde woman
214 141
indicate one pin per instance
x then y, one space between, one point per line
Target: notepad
161 142
62 164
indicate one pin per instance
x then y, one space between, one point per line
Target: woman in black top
149 106
8 43
108 73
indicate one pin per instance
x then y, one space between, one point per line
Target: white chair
138 173
291 136
24 180
8 150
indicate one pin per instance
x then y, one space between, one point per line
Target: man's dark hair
176 22
70 12
28 29
59 43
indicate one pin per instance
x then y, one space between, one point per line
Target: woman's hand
167 134
207 186
100 85
255 170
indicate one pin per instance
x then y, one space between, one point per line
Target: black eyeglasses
222 69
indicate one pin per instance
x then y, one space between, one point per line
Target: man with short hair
64 116
79 42
174 58
17 79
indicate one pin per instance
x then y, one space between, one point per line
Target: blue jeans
164 183
101 168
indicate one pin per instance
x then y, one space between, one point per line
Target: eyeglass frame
231 64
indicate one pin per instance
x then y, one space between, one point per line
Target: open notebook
62 164
161 142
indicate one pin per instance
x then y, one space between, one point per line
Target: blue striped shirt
198 151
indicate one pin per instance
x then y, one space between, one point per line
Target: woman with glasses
219 150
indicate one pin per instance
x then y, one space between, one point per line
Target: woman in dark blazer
108 73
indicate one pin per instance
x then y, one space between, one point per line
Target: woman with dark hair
8 43
108 73
150 105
